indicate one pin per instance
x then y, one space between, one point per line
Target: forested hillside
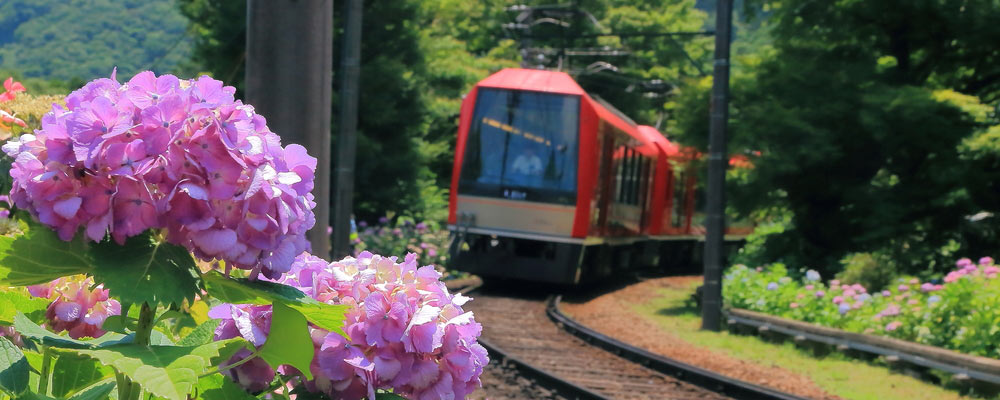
78 40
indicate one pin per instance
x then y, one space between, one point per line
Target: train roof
539 80
655 138
536 80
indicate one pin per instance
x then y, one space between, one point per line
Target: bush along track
958 312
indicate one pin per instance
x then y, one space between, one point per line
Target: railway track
527 331
518 330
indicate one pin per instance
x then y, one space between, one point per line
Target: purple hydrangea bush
405 331
957 312
158 152
425 239
130 182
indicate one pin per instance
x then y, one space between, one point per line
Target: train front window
522 146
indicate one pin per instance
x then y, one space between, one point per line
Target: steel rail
698 376
551 382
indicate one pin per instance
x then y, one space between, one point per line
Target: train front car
546 180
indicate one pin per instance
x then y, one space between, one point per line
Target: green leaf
388 396
119 323
145 270
97 391
288 342
170 372
14 300
36 334
218 387
243 291
200 335
14 368
73 372
39 256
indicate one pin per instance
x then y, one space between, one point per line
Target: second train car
551 184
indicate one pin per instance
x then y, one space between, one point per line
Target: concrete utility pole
350 74
715 224
289 79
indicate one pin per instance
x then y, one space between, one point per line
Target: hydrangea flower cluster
965 267
75 306
12 335
160 152
405 331
252 323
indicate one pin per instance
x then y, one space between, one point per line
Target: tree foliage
851 108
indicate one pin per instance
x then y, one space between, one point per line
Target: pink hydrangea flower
12 335
893 326
158 152
405 331
75 307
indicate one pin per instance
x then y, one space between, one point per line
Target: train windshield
522 146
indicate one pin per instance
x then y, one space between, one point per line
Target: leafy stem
124 385
43 381
145 325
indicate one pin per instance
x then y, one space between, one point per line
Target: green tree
219 30
858 139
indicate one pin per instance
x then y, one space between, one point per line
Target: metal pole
711 304
289 78
350 74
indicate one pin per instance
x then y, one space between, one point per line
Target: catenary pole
711 304
350 75
289 69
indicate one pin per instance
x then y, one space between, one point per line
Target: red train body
551 184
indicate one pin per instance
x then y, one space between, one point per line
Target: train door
605 192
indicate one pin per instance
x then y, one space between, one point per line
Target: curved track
519 326
690 373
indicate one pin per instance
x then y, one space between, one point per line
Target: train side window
619 161
680 187
632 156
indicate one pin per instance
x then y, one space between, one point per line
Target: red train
551 184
